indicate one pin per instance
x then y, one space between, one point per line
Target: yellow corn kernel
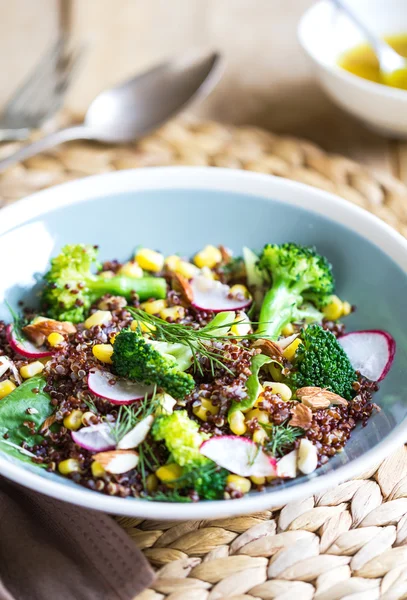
100 317
346 309
257 413
112 338
169 472
260 436
288 330
239 290
150 260
103 352
237 423
258 480
210 256
142 326
202 411
6 387
333 310
154 307
260 398
74 420
290 351
31 369
242 325
131 269
151 483
55 339
173 313
97 469
186 269
279 388
70 465
172 261
238 484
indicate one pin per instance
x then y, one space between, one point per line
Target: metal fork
41 95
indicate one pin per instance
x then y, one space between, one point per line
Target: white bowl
182 209
324 33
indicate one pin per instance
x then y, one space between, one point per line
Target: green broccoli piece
71 287
320 361
297 274
182 437
152 362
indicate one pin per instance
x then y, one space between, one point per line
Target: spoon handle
388 58
77 132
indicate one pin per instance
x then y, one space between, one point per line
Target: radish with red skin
25 347
239 455
118 391
95 438
370 352
209 294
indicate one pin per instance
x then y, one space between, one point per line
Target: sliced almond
301 416
47 424
117 461
181 285
39 331
269 348
4 365
287 341
287 466
316 397
307 459
138 434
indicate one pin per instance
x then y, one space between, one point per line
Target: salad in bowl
185 379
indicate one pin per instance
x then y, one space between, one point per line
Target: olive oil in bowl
361 61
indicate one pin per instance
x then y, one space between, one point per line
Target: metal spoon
130 110
389 60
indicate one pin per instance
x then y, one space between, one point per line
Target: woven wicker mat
348 543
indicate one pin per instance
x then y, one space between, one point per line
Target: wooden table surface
268 80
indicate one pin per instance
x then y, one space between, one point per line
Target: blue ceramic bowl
181 210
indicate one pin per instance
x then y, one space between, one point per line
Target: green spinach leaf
253 386
13 413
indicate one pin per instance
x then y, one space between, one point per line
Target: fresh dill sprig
198 340
91 405
129 415
18 323
281 438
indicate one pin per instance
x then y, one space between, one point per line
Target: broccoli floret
156 363
320 361
71 287
297 274
182 437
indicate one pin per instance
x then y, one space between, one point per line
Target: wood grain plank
27 29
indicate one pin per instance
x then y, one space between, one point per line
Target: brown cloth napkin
50 550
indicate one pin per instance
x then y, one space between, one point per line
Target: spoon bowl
130 110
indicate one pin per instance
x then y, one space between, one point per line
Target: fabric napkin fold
50 550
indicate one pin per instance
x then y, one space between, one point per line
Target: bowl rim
210 179
365 85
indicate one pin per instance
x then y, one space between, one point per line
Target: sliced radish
287 466
370 352
138 434
95 438
25 347
239 455
209 294
117 391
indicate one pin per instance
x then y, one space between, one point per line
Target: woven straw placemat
349 543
